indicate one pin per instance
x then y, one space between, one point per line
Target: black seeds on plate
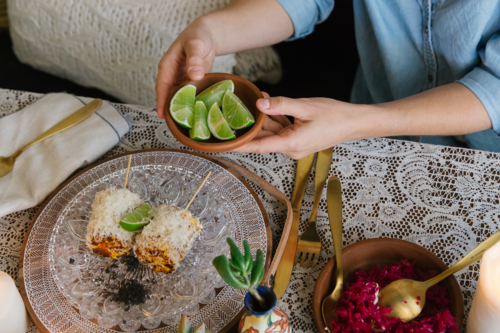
71 260
131 262
130 292
121 290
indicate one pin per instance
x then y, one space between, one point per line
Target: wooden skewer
128 170
198 190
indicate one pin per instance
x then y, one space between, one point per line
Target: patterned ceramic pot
263 319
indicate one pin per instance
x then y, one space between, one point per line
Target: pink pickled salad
357 312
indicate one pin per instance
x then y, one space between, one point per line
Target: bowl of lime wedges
216 114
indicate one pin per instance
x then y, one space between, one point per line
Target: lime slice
182 104
137 219
215 93
235 112
200 127
218 125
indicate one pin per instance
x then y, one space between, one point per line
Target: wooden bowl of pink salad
395 259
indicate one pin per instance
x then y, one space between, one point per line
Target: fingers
164 82
263 134
265 144
275 106
271 125
282 142
282 120
168 70
195 54
178 64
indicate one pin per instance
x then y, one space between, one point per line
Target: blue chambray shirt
408 46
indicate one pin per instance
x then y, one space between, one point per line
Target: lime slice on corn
200 130
215 93
217 125
137 219
182 104
235 112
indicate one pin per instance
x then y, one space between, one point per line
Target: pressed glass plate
60 274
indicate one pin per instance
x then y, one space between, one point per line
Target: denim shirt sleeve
484 80
305 14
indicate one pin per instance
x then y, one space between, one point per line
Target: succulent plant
241 272
186 327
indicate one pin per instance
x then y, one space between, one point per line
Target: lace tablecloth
445 199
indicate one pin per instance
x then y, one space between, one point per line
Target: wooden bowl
384 251
245 90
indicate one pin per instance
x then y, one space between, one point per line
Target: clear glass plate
87 281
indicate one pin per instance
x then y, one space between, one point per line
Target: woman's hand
190 56
319 123
241 25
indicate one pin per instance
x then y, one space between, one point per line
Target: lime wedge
235 112
137 219
200 127
215 93
218 125
182 104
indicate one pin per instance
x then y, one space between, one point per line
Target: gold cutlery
285 267
309 246
406 297
334 205
7 163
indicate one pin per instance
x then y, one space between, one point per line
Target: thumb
274 106
195 52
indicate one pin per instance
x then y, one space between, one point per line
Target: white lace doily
445 199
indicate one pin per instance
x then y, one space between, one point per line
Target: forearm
247 24
447 110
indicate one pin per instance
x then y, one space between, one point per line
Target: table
445 199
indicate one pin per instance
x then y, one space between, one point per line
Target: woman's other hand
319 123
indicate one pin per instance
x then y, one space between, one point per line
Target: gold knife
285 267
334 205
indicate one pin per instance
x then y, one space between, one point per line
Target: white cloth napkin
43 167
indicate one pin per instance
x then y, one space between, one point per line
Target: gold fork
309 246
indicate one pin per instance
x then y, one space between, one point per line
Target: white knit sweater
115 45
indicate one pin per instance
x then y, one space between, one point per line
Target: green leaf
222 266
248 257
234 265
236 255
200 329
184 325
258 269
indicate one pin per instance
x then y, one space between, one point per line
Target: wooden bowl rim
223 146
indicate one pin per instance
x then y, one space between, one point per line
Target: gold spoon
7 163
334 205
407 297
